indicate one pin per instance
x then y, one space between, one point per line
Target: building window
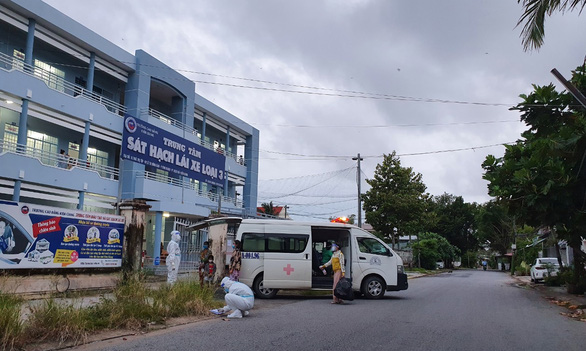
10 136
98 157
52 76
39 145
42 146
95 157
162 176
18 60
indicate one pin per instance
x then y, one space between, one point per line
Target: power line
341 92
384 125
373 97
306 176
324 157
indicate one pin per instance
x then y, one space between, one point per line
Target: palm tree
268 208
534 18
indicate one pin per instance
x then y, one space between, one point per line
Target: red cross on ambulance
288 269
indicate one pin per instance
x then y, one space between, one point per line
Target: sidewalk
575 304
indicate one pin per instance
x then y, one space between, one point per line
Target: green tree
495 226
268 208
542 177
432 247
534 17
454 220
396 202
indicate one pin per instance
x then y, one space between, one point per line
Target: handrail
214 197
58 160
163 117
59 84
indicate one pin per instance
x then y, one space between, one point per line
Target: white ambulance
279 254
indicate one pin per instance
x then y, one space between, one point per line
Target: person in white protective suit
174 257
239 298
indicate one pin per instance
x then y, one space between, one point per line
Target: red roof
276 210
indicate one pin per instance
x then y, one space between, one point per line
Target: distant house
541 238
402 247
278 212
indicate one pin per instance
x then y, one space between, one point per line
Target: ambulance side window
293 243
252 242
372 246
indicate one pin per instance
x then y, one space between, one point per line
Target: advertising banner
144 143
33 236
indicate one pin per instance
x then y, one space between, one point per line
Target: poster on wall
33 237
147 144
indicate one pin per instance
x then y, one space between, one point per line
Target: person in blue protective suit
239 298
174 257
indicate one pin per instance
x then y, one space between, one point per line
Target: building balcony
150 185
51 169
188 130
57 83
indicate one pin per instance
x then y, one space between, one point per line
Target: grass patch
185 298
416 270
132 306
11 327
55 322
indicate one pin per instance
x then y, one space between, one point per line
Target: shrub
52 321
133 306
184 298
553 280
522 269
11 328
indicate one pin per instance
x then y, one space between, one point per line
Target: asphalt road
463 310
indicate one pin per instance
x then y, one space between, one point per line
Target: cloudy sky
324 80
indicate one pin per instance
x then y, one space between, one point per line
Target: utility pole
572 89
358 158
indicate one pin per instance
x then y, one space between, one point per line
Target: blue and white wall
63 87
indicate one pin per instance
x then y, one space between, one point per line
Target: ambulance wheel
373 288
260 291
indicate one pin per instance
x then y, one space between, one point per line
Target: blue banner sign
33 236
147 144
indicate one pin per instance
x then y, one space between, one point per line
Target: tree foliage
495 226
268 208
396 202
432 247
534 17
542 177
454 220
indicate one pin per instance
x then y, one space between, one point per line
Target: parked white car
543 267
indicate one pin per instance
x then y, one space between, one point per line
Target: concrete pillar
158 231
203 139
217 239
30 40
227 140
226 154
81 199
16 192
85 142
90 72
203 127
134 212
22 126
